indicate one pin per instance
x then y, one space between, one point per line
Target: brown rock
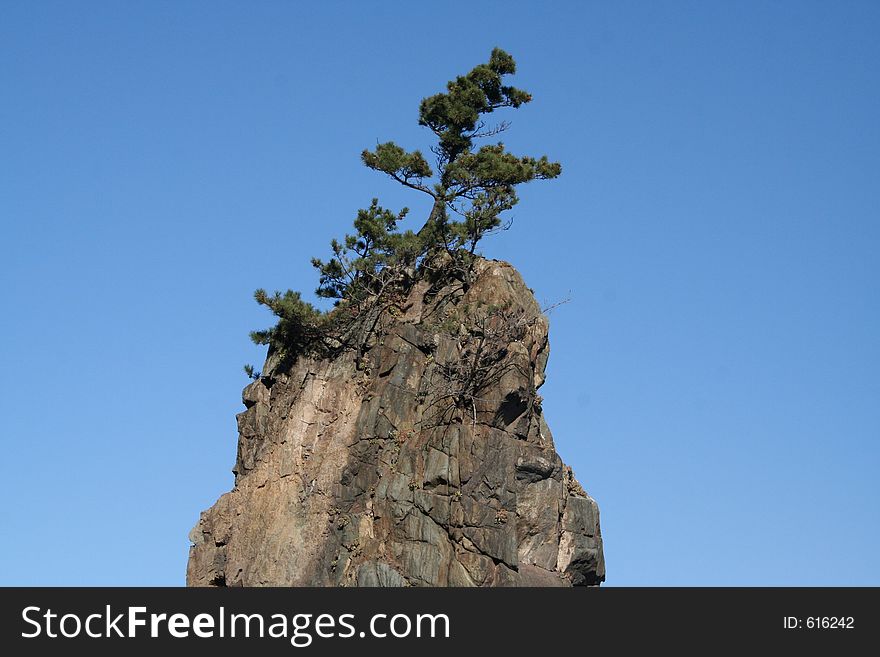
430 466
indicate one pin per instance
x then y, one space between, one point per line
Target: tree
298 321
365 264
477 185
474 184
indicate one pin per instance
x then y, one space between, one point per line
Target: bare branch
549 309
406 181
497 129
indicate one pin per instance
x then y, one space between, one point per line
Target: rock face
426 462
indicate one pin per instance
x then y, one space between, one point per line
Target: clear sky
714 381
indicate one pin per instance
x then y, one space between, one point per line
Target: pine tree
299 322
365 264
477 184
470 187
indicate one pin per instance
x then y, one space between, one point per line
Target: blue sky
713 381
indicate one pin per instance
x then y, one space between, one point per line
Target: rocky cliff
425 461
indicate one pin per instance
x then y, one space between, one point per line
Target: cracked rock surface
426 463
